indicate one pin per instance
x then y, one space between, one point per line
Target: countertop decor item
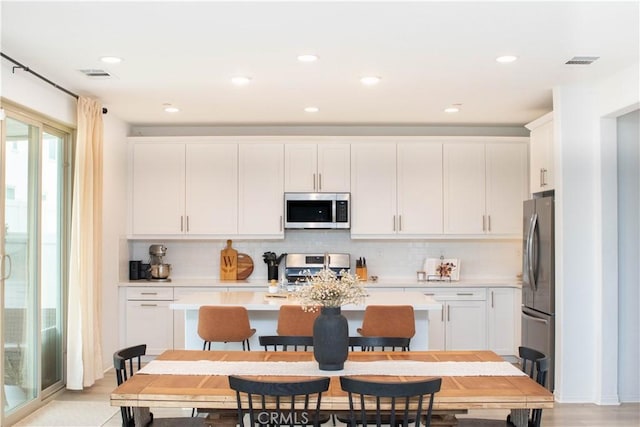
228 263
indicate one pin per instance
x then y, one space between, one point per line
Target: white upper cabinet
260 189
541 154
484 186
184 188
317 167
396 189
373 189
212 189
158 188
419 172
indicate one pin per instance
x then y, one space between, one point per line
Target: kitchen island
263 313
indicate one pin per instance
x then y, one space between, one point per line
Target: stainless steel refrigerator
538 279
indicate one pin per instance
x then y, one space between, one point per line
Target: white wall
114 222
587 302
628 131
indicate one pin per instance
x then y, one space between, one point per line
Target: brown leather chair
224 324
388 321
294 321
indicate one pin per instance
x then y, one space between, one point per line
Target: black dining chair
293 403
126 363
378 343
286 342
389 403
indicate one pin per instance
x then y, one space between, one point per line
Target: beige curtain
84 325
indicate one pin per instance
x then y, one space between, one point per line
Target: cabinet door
158 188
541 158
151 323
334 168
466 325
300 162
373 187
504 321
260 189
506 187
211 189
419 168
464 188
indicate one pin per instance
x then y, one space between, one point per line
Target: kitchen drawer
150 293
467 294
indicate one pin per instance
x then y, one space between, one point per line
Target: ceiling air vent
582 60
95 73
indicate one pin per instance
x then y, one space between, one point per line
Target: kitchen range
298 267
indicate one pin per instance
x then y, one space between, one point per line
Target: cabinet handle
543 171
464 294
430 294
448 313
399 222
148 293
394 223
488 222
319 181
187 223
281 224
314 182
148 305
181 223
444 307
491 299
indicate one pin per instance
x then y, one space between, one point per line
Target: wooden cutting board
245 266
228 263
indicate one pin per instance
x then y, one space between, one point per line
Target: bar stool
388 321
294 321
224 324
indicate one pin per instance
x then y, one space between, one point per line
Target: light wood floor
563 415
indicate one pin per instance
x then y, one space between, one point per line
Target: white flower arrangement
326 289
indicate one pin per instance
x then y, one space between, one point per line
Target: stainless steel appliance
159 270
298 267
317 210
538 279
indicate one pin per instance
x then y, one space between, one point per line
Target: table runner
380 367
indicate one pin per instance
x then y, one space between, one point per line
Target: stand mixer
159 270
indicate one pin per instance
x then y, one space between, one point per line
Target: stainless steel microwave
317 210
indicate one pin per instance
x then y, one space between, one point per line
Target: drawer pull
464 294
148 293
148 305
430 294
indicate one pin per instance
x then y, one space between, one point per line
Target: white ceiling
429 55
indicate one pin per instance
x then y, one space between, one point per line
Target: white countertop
392 282
261 301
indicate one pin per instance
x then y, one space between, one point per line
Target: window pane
51 259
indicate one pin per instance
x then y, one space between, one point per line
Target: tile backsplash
495 259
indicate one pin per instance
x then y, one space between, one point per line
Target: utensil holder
361 272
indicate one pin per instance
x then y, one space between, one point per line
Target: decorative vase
330 339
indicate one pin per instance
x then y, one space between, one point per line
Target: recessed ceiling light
170 108
111 59
370 80
307 58
311 109
505 59
241 80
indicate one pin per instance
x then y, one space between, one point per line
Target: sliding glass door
34 189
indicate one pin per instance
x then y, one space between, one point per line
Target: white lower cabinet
149 319
462 323
503 307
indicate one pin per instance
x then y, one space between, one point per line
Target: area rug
61 413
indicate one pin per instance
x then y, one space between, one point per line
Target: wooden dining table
211 391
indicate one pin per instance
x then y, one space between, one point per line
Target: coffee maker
159 270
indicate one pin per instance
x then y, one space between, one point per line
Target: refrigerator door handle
533 222
534 319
